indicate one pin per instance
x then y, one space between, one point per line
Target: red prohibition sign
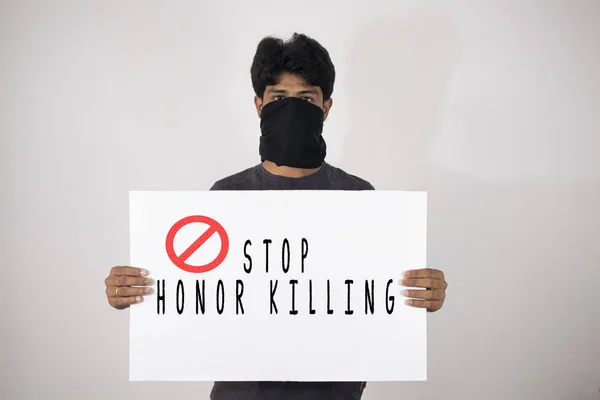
180 260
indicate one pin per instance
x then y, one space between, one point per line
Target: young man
293 82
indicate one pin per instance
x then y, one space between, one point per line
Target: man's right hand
126 286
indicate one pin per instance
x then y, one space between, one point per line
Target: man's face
291 85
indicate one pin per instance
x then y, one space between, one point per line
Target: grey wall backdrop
493 107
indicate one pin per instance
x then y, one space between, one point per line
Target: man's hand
126 286
430 279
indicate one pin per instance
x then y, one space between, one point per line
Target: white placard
227 324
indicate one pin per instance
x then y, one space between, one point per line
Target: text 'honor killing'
368 293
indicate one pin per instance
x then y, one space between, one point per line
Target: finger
424 294
424 273
127 281
124 302
428 304
125 291
128 271
426 283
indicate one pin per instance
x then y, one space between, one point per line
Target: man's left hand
430 279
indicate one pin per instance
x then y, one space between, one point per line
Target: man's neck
288 172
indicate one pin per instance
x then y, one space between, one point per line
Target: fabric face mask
291 134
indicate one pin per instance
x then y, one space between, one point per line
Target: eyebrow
283 91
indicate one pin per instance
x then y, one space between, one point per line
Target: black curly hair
300 55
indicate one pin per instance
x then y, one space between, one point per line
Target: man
293 82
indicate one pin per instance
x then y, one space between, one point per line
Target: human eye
276 98
307 99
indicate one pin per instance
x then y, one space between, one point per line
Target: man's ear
326 107
259 105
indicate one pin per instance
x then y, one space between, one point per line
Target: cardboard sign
277 286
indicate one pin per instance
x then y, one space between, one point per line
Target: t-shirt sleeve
362 185
221 184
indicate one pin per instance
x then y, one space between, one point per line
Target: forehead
292 83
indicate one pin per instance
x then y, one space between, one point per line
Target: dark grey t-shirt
258 178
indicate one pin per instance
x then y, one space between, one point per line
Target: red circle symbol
213 227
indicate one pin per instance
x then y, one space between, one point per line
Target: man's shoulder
237 181
350 182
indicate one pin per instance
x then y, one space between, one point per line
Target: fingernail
138 299
405 293
409 302
147 290
143 272
147 281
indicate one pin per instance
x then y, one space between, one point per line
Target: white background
490 106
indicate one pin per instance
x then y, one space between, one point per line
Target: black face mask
291 133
